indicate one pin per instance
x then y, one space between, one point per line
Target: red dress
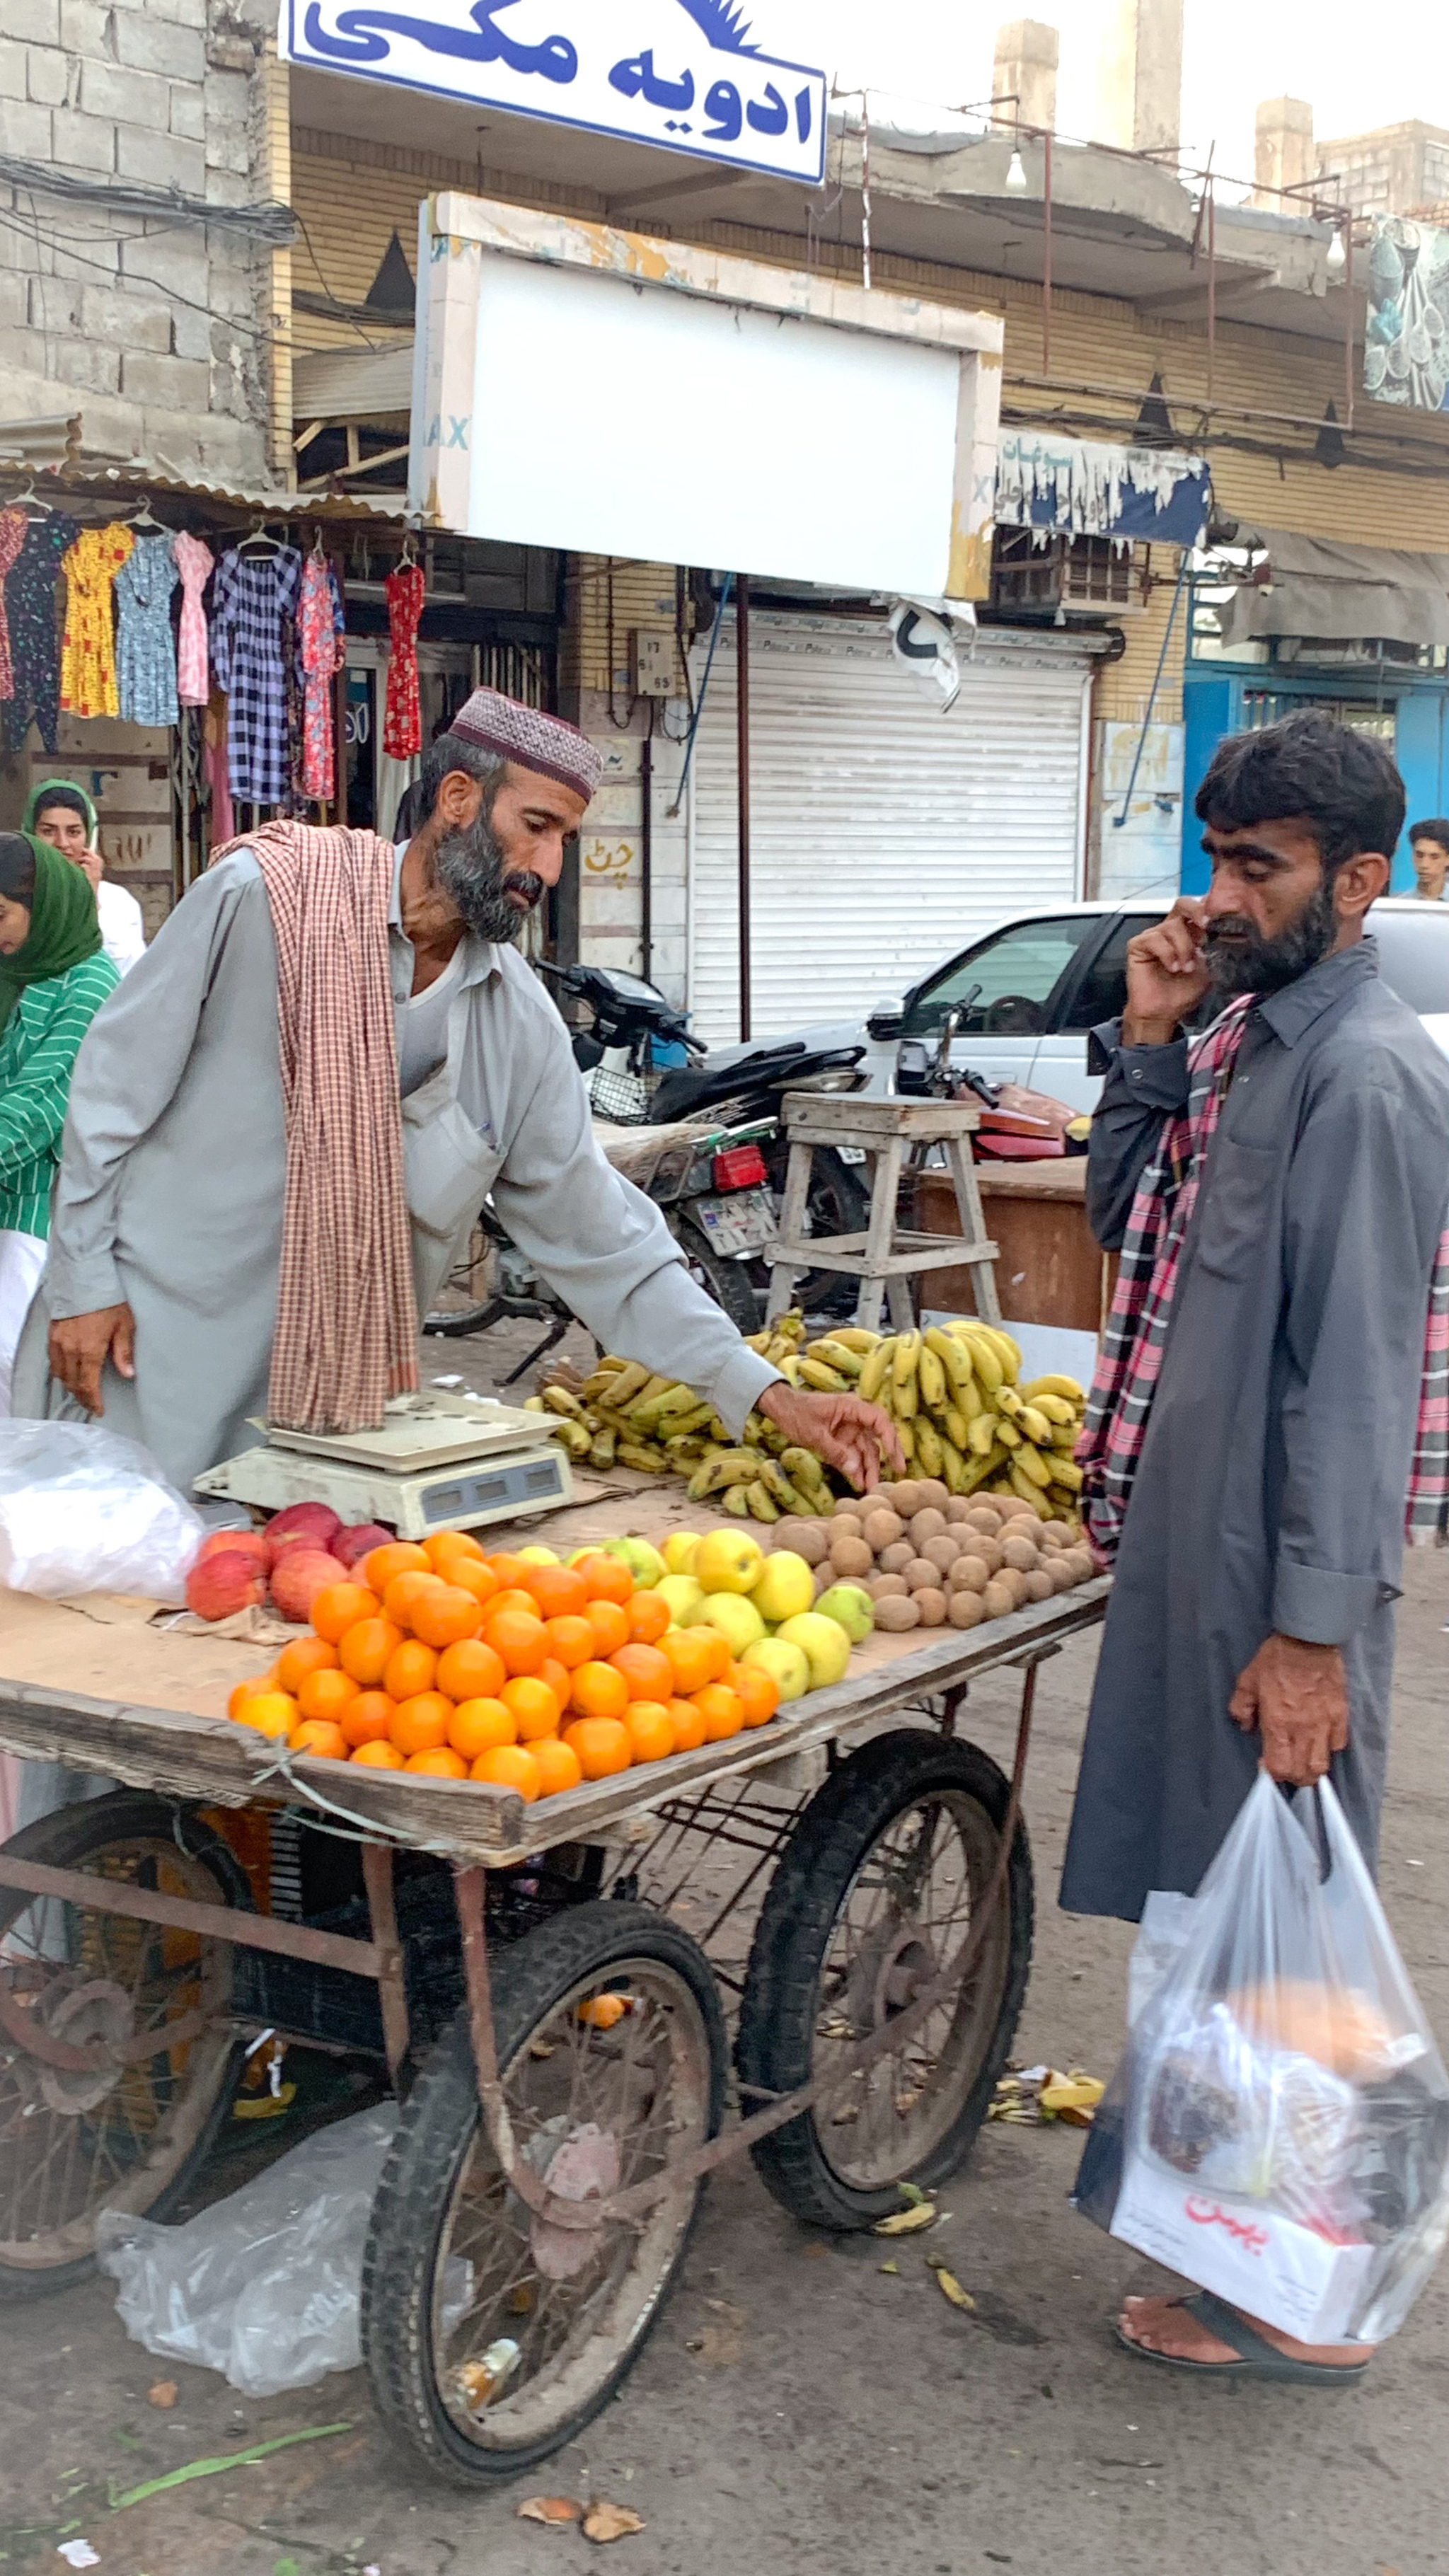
402 722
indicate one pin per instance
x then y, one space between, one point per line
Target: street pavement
799 2412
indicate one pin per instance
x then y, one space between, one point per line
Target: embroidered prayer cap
542 743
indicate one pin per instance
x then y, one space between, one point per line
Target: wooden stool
883 1259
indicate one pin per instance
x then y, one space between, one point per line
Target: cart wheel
490 2338
130 2132
874 1892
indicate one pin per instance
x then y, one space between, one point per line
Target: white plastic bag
82 1510
1278 2129
265 2286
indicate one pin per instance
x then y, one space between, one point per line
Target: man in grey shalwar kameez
1252 1614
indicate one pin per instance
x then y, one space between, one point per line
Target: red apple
314 1523
350 1545
238 1542
220 1585
298 1575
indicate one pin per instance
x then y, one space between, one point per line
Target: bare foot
1164 2325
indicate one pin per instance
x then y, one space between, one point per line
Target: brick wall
158 335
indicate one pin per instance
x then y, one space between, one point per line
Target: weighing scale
436 1462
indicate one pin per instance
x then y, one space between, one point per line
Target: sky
1235 53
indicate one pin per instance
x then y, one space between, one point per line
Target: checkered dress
252 599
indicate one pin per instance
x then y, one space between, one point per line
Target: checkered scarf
1130 1360
346 1330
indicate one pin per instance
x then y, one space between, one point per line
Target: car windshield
1006 982
1414 954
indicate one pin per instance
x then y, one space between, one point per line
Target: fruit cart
555 2032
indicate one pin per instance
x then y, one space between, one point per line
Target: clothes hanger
407 556
319 551
146 518
31 498
257 538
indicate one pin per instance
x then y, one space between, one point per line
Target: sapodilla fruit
317 1523
218 1586
298 1575
351 1545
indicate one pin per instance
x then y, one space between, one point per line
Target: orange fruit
571 1641
759 1696
609 1621
304 1655
509 1766
446 1544
558 1765
471 1575
366 1719
405 1591
470 1670
597 1690
253 1689
365 1649
556 1589
649 1674
326 1695
605 1578
320 1736
557 1677
339 1606
601 1746
410 1668
380 1756
515 1597
533 1704
723 1711
385 1564
688 1725
447 1616
421 1723
272 1713
648 1618
690 1654
439 1761
509 1569
480 1726
651 1730
519 1640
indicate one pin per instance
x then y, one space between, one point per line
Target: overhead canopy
353 384
1315 586
1092 487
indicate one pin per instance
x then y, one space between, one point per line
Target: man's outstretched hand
80 1346
844 1430
1296 1695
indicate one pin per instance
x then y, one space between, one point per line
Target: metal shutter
884 832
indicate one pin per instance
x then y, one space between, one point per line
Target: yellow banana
1009 1351
1022 1485
835 1354
533 1404
1064 1471
953 1466
602 1447
1031 1465
762 1506
1035 1424
645 1462
1055 1407
906 1400
978 1469
826 1381
856 1337
953 1355
804 1468
1009 1403
1066 1441
737 1503
622 1384
985 1360
1054 1385
573 1437
928 1451
954 1426
904 1357
981 1435
906 1434
873 1376
1007 1433
931 1378
557 1399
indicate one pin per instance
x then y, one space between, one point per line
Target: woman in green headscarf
54 976
64 815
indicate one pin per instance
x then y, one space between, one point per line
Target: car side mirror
886 1017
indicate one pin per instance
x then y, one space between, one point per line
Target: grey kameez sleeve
607 1250
1144 1086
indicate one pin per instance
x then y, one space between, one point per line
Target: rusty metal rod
181 1914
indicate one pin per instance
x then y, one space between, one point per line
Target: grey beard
1266 965
471 869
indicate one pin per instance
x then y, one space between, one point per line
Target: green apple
643 1561
736 1618
537 1556
685 1598
678 1551
786 1665
728 1561
851 1606
824 1644
785 1588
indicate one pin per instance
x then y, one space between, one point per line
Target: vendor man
1429 847
229 1237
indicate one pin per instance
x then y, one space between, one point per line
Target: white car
1030 991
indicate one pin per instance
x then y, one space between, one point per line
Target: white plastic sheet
82 1510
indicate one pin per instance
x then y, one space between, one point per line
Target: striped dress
37 1057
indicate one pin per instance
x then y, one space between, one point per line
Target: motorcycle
704 1141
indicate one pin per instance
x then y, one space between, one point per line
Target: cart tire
441 2193
840 1941
137 2143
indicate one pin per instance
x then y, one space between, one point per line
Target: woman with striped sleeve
54 976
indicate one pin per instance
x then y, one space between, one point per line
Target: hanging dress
88 647
402 723
251 601
194 562
145 649
322 634
13 524
30 614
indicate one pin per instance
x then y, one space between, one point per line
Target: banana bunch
952 1392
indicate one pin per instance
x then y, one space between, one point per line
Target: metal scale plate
437 1461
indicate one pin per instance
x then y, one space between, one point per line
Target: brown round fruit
847 1508
934 1495
1039 1585
881 1527
932 1607
921 1575
888 1587
965 1609
926 1523
810 1539
985 1518
904 1498
989 1551
1020 1552
893 1615
998 1598
1051 1535
851 1556
968 1574
958 1508
942 1551
895 1558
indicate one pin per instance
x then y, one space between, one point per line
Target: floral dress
13 524
402 721
145 650
322 636
194 563
30 616
251 601
88 647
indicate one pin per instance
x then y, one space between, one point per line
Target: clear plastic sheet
82 1510
1278 2128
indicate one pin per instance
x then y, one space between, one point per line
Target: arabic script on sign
689 74
1244 2232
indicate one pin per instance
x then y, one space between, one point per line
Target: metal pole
1212 285
646 851
742 738
865 189
1046 255
1348 321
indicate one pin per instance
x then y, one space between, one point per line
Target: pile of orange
437 1658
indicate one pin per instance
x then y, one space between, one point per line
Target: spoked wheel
726 1281
114 2073
874 1896
492 2338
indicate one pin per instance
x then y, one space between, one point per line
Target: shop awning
1315 586
1091 487
354 384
